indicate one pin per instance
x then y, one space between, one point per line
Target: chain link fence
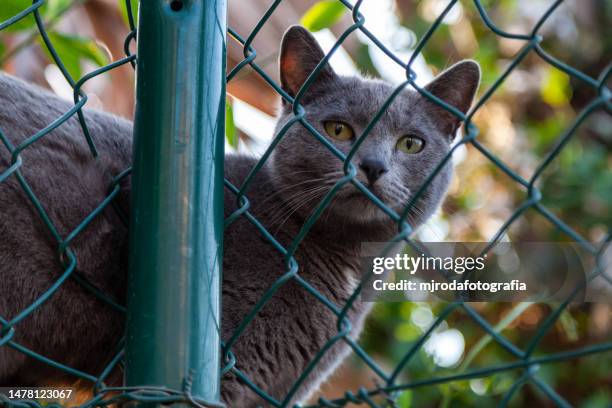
390 385
65 255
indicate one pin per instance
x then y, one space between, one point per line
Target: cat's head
400 152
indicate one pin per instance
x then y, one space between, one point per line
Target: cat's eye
410 144
338 130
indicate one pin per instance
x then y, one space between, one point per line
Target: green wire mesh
389 380
389 384
66 256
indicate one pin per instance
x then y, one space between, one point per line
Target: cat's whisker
334 175
276 177
291 196
308 193
284 216
277 192
297 198
307 201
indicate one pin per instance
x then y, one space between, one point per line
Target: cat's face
399 153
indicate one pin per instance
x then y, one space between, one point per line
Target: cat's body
76 329
69 183
280 353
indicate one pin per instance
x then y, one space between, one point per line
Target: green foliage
487 56
49 10
580 184
600 399
405 399
73 49
54 8
124 11
10 8
322 15
555 88
231 134
479 346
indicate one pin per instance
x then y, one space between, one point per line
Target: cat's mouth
363 199
354 193
388 196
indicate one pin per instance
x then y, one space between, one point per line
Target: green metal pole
177 197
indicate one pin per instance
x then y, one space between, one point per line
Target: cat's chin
359 208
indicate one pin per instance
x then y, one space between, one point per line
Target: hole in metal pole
176 5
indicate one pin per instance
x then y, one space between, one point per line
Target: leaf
124 14
53 8
10 8
322 15
73 49
514 314
555 89
569 325
231 135
405 399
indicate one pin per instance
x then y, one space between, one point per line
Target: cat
76 329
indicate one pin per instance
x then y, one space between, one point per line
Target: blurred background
519 124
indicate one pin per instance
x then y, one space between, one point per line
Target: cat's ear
456 86
300 54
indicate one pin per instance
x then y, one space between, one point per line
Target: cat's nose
373 168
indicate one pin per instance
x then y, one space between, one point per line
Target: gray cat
76 329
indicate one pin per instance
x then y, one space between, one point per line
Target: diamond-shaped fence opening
390 382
